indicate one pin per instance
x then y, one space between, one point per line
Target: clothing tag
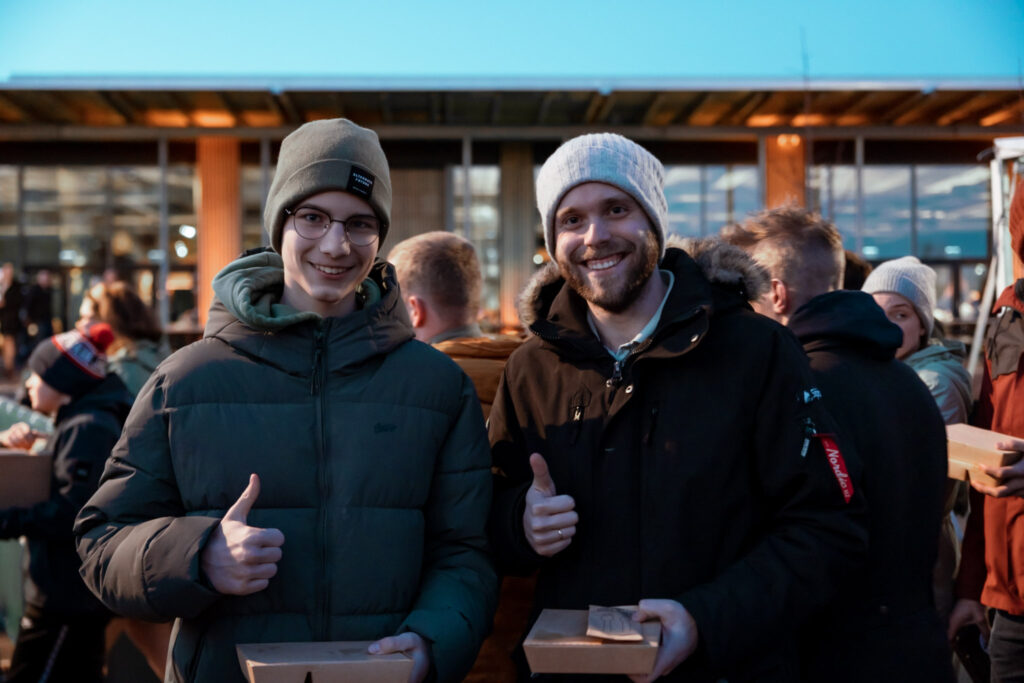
835 460
360 182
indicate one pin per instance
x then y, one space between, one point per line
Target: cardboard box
334 662
970 446
558 644
24 478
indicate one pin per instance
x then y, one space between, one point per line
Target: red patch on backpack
838 465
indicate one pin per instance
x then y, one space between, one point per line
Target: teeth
602 265
328 270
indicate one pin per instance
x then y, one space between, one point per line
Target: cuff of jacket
512 552
172 578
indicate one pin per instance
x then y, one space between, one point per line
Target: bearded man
656 441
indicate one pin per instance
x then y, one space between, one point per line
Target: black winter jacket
692 463
86 431
883 625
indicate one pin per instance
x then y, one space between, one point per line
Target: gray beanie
603 158
911 279
331 154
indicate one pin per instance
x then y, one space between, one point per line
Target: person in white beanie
652 436
905 289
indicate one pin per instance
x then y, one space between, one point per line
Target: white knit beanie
603 158
911 279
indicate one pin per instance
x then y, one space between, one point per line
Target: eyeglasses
312 224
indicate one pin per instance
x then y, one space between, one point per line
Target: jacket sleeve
813 536
140 553
79 451
512 479
459 589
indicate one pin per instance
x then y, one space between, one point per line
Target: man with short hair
441 283
656 440
883 625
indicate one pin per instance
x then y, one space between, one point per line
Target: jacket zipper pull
577 422
809 432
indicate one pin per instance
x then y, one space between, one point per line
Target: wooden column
784 171
519 226
219 239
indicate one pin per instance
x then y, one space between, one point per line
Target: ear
779 297
417 310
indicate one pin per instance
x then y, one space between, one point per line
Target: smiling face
900 311
604 245
321 275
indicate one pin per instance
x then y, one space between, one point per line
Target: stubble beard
620 298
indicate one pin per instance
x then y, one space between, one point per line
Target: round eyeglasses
312 224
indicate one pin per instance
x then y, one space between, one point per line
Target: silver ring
560 536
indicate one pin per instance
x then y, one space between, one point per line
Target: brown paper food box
326 662
558 644
970 446
24 478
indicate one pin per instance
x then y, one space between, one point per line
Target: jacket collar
247 315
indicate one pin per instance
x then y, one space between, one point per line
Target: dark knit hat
331 154
73 362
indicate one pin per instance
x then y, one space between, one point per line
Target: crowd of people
714 431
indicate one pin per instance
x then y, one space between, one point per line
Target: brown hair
442 267
118 305
797 246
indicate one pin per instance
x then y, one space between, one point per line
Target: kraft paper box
558 644
970 446
24 478
328 662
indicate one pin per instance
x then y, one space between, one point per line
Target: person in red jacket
999 409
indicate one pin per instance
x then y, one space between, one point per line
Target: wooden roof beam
593 107
495 108
386 114
904 106
119 104
606 109
19 110
916 114
435 108
742 110
687 111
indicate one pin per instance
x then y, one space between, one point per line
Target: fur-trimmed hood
722 264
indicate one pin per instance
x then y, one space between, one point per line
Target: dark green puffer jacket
373 460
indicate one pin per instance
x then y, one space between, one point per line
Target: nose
335 241
596 233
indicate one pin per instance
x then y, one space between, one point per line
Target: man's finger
399 643
240 510
269 538
542 523
254 586
541 476
263 556
263 571
1011 445
553 506
550 549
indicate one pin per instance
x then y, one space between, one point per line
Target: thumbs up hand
240 559
549 520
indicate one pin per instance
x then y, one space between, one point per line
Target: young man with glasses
360 453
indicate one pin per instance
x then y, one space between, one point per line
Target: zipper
810 430
577 423
319 372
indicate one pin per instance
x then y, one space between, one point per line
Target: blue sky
894 39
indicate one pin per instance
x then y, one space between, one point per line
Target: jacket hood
721 264
846 318
247 311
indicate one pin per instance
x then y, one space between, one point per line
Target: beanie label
360 182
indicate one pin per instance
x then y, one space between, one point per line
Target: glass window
887 219
485 186
683 192
953 211
972 285
732 192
